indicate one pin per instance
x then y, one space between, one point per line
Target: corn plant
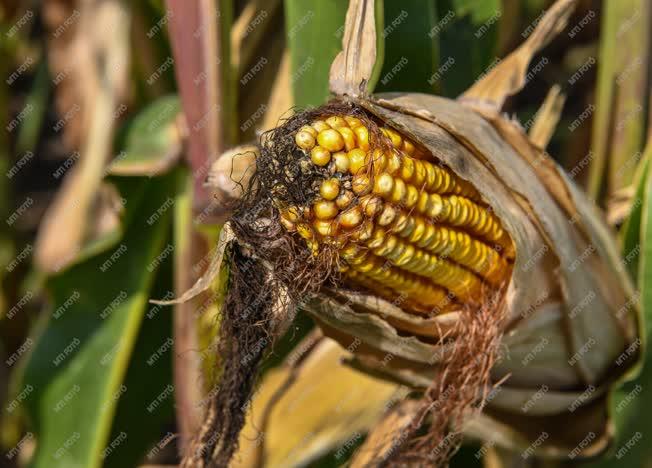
317 233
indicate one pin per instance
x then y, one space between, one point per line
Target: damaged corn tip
402 223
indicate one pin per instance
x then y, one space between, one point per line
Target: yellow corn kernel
408 147
361 184
325 227
341 160
383 185
309 129
336 122
344 200
330 139
348 137
325 209
329 189
362 137
371 205
353 121
351 217
305 140
393 136
320 126
320 156
357 160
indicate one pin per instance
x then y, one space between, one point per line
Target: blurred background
113 113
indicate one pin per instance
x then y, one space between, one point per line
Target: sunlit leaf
150 143
314 31
75 372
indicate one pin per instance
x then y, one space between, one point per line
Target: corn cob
401 222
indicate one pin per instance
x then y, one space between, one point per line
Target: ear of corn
402 223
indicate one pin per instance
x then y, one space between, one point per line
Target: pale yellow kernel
393 136
344 200
387 215
330 139
325 228
329 189
357 160
418 231
371 205
393 162
383 184
379 160
353 121
341 161
406 256
336 121
388 247
325 209
401 222
427 236
320 125
408 147
349 138
309 129
412 196
304 140
424 201
351 217
364 232
361 184
435 205
377 239
362 136
320 156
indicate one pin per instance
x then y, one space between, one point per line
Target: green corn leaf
314 30
74 375
634 399
631 230
411 47
467 33
150 143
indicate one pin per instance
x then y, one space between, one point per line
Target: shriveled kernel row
415 287
452 209
446 243
459 281
423 174
438 239
399 221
